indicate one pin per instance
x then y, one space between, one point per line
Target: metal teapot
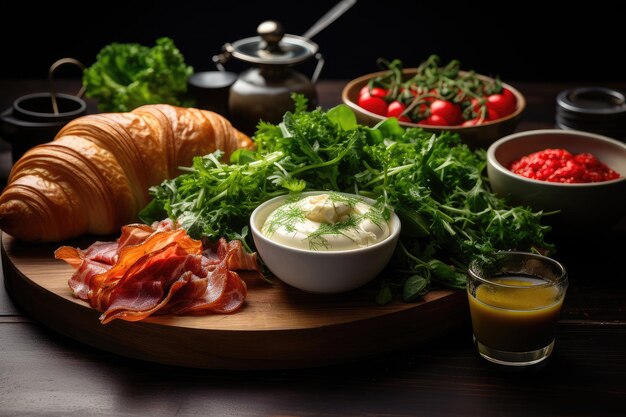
263 92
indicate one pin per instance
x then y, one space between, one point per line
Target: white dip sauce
326 222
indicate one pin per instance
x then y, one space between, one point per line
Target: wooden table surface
44 373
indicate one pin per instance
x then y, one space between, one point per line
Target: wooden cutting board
278 327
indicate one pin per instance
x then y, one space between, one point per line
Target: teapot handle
53 68
318 67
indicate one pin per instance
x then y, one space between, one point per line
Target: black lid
272 46
592 109
592 102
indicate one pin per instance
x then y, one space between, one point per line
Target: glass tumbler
515 300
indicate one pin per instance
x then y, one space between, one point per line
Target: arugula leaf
343 116
384 296
415 287
213 199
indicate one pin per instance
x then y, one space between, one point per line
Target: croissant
94 176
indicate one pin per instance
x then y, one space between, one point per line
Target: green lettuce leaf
129 75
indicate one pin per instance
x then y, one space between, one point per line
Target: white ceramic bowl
589 206
322 271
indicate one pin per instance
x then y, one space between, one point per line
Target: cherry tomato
378 92
447 110
374 92
435 120
395 109
374 104
493 115
502 104
508 93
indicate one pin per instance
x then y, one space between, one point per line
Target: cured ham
158 269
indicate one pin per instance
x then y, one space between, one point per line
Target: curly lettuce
129 75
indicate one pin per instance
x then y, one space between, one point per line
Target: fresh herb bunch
128 75
434 183
432 81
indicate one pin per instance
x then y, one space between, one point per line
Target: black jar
593 109
32 121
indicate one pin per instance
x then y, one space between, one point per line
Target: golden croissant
94 176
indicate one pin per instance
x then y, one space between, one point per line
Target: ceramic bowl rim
491 156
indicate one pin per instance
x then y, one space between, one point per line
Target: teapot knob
271 32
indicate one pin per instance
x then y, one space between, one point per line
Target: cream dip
328 221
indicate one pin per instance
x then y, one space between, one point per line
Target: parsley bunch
434 183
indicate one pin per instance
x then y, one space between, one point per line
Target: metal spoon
332 15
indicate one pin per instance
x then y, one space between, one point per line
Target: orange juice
517 314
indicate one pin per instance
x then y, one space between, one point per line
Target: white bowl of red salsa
579 175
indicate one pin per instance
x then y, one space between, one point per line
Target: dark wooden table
44 373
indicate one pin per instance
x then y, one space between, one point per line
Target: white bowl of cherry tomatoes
479 108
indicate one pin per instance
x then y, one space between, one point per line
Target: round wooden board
278 327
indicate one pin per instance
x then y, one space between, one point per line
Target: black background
520 42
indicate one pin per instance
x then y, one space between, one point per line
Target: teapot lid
272 46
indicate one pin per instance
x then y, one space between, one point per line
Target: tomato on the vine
371 103
508 93
437 96
501 104
378 92
395 109
374 92
447 110
435 120
493 115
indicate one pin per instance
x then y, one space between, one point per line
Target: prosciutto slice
95 260
158 269
234 253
